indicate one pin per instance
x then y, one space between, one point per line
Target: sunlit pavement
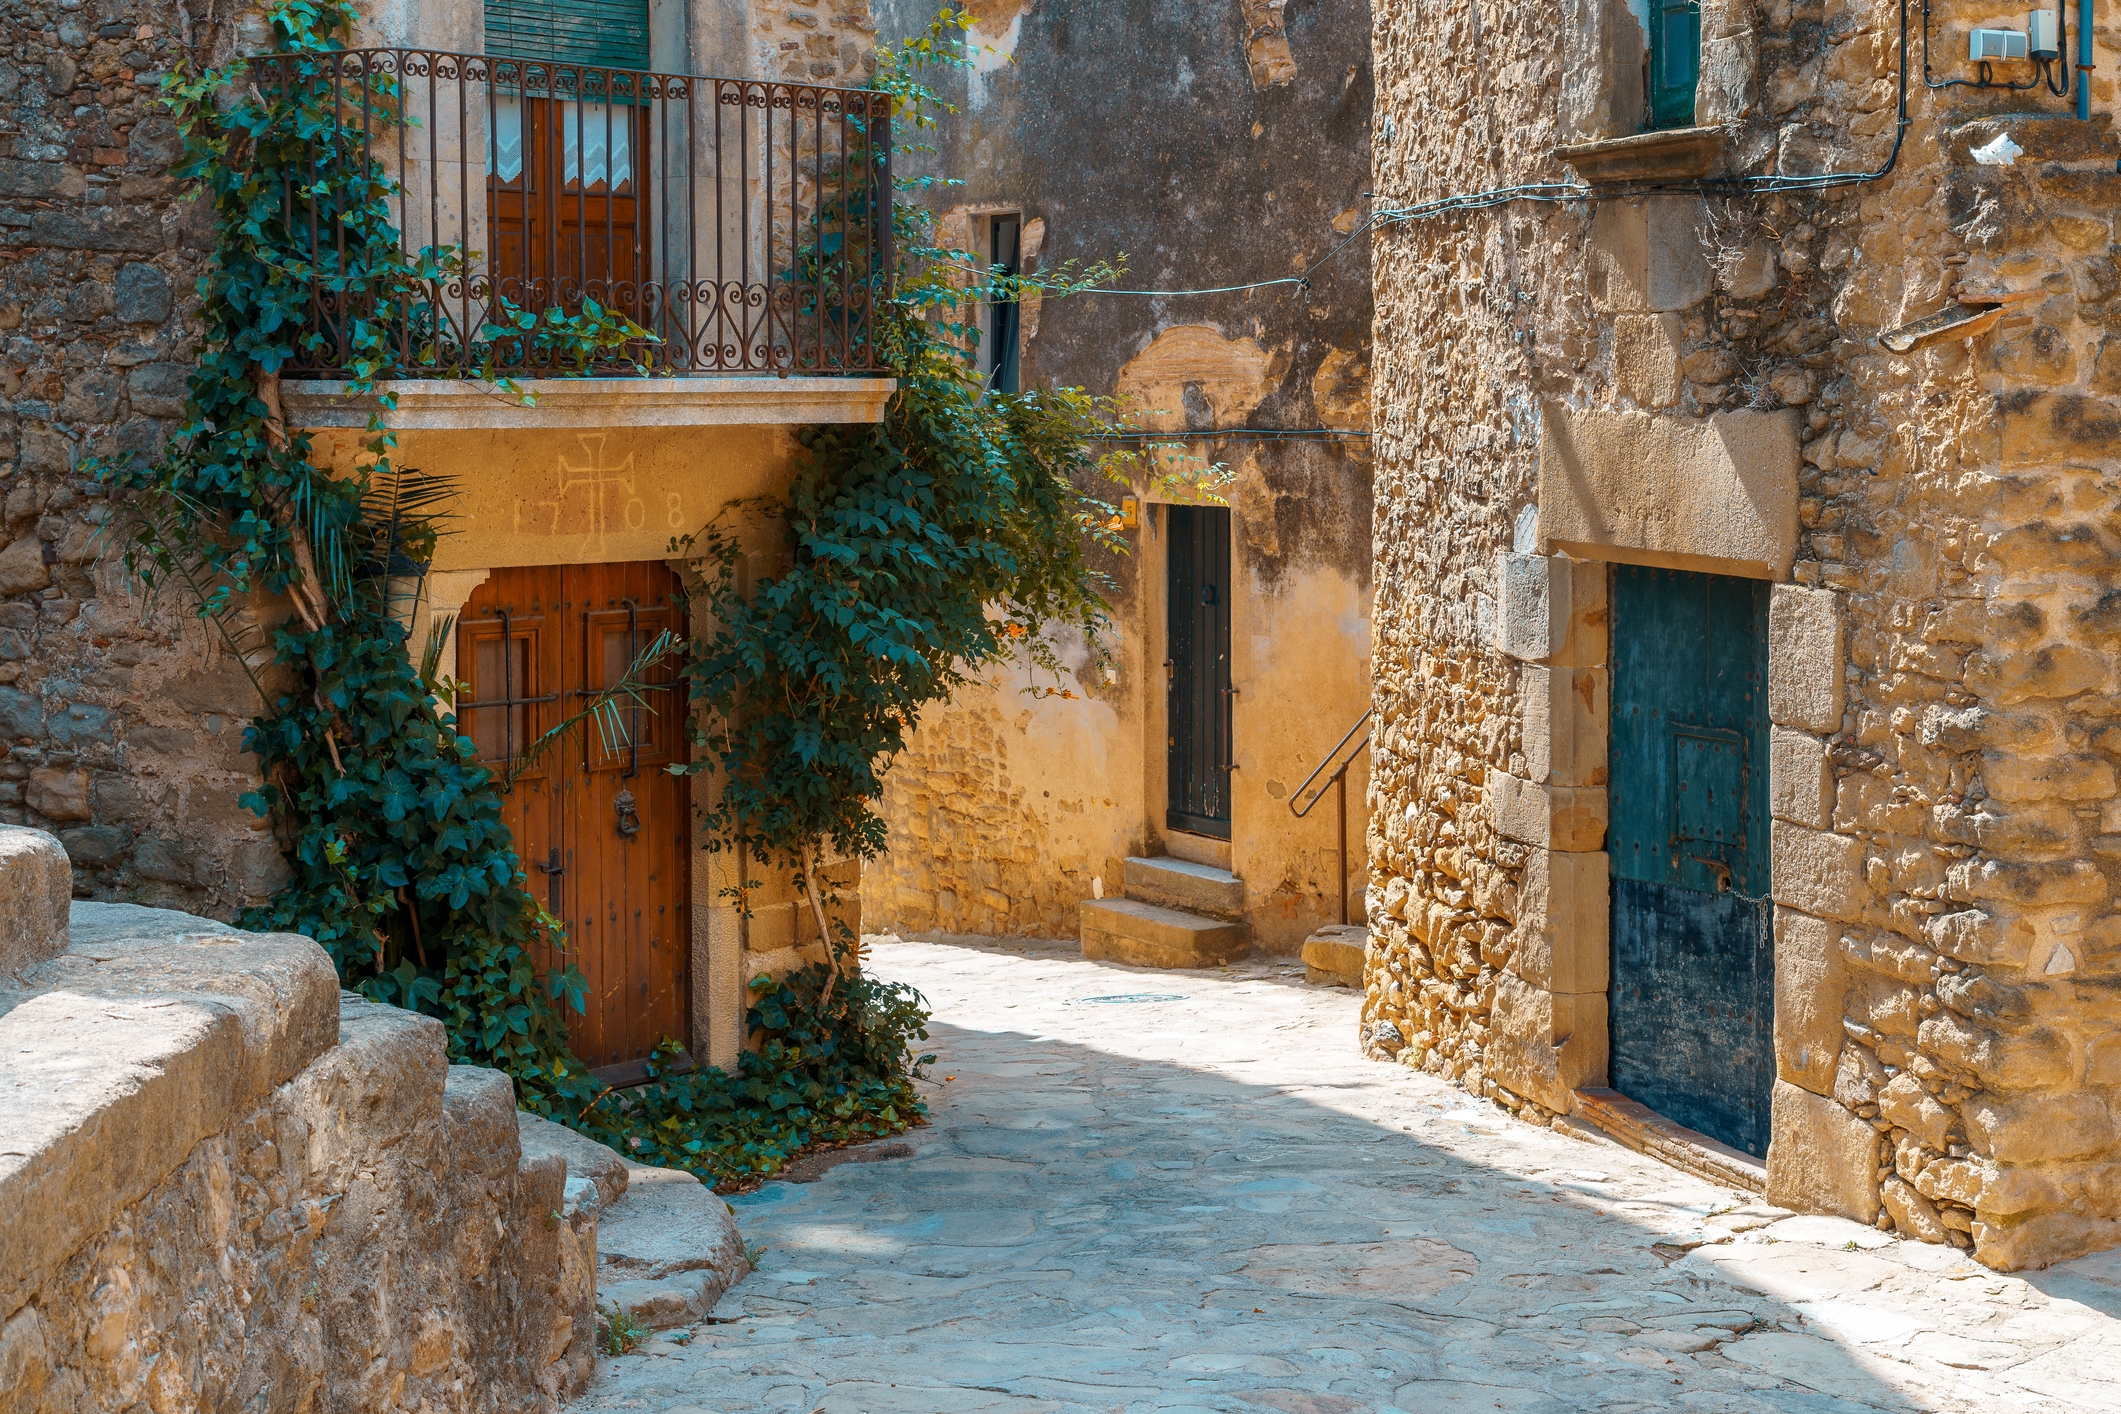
1186 1191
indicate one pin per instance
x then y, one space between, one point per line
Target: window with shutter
1675 61
608 33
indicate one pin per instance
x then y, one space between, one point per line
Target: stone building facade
1679 385
1231 150
123 717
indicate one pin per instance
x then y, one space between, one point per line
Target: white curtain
505 158
598 139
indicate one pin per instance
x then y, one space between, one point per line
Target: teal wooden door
1692 999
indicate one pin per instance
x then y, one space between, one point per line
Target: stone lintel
1716 494
453 404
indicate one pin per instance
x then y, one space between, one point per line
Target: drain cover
1128 997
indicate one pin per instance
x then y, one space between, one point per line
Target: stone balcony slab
448 404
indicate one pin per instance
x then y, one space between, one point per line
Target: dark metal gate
1693 982
1198 670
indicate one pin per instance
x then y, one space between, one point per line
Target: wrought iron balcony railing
741 226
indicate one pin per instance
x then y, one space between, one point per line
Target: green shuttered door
609 33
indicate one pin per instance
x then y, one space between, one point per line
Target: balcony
514 211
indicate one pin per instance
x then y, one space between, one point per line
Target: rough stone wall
122 724
830 43
229 1186
1944 791
1231 150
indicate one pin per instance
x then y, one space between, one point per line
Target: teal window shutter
607 33
1675 61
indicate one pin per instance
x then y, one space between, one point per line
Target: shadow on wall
1106 1220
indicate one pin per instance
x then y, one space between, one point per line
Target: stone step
668 1250
1333 955
1182 884
1149 935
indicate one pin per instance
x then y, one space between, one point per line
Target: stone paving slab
1185 1191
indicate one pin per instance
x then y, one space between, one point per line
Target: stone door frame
1549 1022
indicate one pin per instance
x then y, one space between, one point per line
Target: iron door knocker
629 816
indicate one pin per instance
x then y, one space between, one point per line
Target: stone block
2034 1129
1565 712
1336 955
22 566
1647 256
1822 1159
2037 1059
1981 936
1563 922
1805 659
1553 610
1717 494
143 294
1646 358
1914 1109
1811 989
36 893
2042 1239
1819 873
59 793
1543 1045
1800 783
95 846
1914 1215
1570 818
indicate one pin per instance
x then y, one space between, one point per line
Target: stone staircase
1176 913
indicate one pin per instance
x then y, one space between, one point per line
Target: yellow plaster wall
546 497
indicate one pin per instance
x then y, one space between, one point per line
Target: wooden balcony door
602 829
565 213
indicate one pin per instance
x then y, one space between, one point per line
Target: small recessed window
1002 241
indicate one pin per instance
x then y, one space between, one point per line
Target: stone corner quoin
1573 399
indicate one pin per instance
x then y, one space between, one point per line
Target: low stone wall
225 1184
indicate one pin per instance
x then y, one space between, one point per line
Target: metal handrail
1338 778
1338 773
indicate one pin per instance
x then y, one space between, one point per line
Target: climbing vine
955 533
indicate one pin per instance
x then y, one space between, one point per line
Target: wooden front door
602 828
1692 999
565 216
1198 670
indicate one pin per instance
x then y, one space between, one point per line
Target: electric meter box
2040 35
1996 44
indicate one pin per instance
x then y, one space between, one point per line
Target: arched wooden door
603 829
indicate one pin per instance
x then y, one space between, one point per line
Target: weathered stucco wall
1231 150
227 1185
1941 646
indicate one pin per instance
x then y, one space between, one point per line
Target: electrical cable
1239 434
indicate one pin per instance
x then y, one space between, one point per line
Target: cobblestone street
1185 1191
